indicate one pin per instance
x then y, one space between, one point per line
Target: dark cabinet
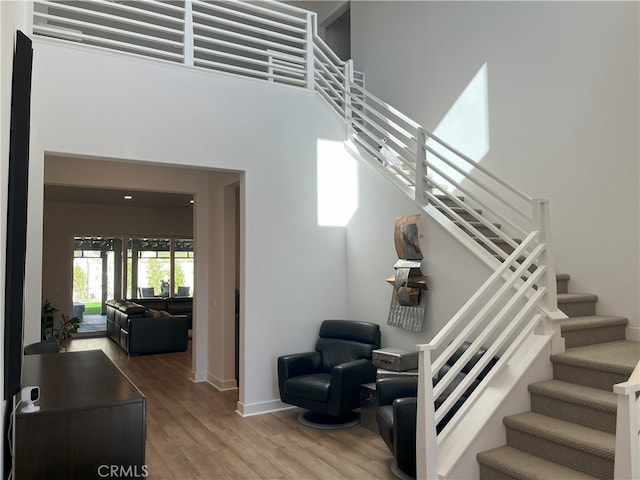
91 422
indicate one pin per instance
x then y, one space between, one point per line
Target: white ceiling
115 197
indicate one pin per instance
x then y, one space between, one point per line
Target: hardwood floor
193 431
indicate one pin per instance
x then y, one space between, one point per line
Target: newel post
627 464
348 107
311 29
426 437
421 167
188 33
542 224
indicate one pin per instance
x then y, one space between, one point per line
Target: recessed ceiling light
191 201
128 197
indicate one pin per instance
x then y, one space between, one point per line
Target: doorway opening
97 274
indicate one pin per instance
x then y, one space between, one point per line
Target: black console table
91 420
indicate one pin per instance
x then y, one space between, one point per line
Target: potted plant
46 320
60 330
67 326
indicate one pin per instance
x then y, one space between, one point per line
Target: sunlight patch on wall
466 125
337 184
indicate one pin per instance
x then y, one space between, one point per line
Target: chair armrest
346 381
390 388
404 434
297 364
355 372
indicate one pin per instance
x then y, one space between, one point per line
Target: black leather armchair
396 418
397 409
327 381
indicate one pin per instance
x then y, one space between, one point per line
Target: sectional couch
172 305
142 329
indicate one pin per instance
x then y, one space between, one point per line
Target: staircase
570 431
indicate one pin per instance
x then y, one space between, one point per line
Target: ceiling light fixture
128 197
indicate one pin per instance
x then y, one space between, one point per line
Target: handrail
322 46
468 159
277 42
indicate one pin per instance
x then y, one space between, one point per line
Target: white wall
113 106
563 118
326 10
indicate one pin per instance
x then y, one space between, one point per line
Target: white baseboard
197 377
633 333
221 384
248 410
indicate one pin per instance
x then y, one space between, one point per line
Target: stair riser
447 201
562 286
571 412
488 473
587 376
459 212
501 244
578 309
562 454
464 215
591 336
480 228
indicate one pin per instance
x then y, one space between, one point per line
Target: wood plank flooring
193 431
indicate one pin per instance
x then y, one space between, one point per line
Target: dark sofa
172 305
140 330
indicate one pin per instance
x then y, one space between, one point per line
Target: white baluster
421 168
426 438
348 109
188 33
311 30
542 223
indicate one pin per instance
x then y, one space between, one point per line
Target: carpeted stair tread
591 329
521 465
592 321
577 304
587 406
618 357
578 437
576 297
577 394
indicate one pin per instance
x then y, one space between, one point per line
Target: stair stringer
505 393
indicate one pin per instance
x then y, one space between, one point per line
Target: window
159 267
